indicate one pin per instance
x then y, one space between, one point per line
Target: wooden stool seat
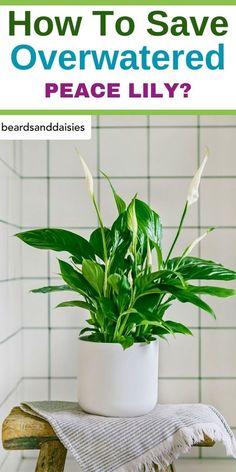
23 431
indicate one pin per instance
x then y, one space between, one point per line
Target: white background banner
193 70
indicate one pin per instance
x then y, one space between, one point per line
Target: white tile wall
221 145
218 353
178 391
35 389
122 151
173 360
174 120
123 120
70 204
35 306
35 159
34 263
64 389
154 156
221 393
34 202
173 151
68 150
217 200
168 197
35 359
64 344
10 289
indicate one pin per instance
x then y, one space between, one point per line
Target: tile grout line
198 127
8 223
148 160
11 392
4 460
9 167
63 377
12 335
164 227
199 311
130 177
98 177
20 153
48 271
210 328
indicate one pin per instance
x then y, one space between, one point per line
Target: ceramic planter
117 382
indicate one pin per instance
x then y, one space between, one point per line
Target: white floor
191 465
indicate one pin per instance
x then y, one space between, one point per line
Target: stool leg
52 457
172 468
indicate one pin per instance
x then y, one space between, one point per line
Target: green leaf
126 341
160 331
215 291
148 222
194 268
120 242
147 306
58 240
96 241
94 274
77 303
146 282
159 254
108 308
162 309
121 205
95 336
124 293
76 280
87 330
51 288
177 327
185 295
114 281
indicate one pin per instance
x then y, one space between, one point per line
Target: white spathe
88 177
189 249
193 192
117 382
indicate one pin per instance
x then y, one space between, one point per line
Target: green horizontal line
118 2
118 112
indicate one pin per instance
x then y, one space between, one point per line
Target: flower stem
178 232
103 243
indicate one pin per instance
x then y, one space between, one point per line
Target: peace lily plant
126 297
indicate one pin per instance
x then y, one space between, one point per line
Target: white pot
117 382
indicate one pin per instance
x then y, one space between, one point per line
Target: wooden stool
23 431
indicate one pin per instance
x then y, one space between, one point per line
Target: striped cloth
105 444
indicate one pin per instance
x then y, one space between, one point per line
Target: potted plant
127 298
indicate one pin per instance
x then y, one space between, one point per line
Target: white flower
193 193
88 176
195 242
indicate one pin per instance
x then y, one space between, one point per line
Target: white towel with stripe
105 444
